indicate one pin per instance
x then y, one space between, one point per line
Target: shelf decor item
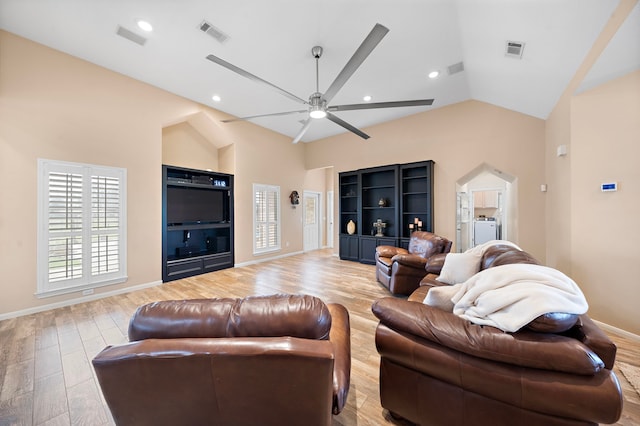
382 202
351 227
379 225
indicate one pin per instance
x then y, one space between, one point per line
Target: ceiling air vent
455 68
131 36
514 49
214 32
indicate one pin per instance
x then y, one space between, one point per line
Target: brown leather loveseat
263 360
399 269
439 369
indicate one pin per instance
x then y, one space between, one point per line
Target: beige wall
58 107
183 146
605 130
55 106
458 138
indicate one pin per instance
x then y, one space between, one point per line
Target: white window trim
48 289
271 188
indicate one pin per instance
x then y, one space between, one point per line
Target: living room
56 106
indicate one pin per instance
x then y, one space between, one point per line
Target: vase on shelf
351 227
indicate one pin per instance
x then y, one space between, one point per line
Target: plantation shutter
266 218
65 226
82 226
105 224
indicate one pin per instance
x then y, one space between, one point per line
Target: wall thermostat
610 186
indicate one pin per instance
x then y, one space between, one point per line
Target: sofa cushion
525 348
502 254
553 322
277 315
425 244
459 267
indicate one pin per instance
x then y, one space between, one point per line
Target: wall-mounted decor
295 198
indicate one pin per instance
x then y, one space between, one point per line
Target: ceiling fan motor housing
318 106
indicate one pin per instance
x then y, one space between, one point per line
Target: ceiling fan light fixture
317 112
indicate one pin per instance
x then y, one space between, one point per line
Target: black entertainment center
197 222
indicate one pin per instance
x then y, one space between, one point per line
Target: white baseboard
70 302
617 330
267 259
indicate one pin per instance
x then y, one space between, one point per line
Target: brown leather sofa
438 369
268 360
399 269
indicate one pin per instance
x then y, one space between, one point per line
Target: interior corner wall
227 159
604 227
458 138
558 181
269 158
183 146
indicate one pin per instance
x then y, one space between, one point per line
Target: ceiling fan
318 103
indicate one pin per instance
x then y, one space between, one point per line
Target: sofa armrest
340 337
591 335
410 260
524 348
390 251
435 263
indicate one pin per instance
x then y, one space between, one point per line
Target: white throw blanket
510 296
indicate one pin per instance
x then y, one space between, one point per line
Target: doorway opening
312 231
486 207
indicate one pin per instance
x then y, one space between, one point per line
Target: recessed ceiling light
434 74
366 98
144 25
216 98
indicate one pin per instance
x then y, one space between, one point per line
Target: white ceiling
273 40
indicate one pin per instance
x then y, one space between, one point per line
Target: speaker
222 244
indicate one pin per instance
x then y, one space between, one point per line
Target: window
81 227
266 218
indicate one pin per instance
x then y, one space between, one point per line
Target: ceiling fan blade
302 131
254 78
417 102
347 126
230 120
367 46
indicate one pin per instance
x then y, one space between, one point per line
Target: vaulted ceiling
273 40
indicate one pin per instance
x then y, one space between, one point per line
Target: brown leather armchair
439 369
282 359
399 269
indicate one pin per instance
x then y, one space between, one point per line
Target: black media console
197 222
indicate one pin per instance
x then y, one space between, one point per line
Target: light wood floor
45 358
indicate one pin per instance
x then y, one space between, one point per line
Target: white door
311 220
330 219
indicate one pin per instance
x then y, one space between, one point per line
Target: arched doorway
486 207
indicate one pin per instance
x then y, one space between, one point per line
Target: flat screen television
194 205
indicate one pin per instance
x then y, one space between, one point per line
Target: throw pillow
459 267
